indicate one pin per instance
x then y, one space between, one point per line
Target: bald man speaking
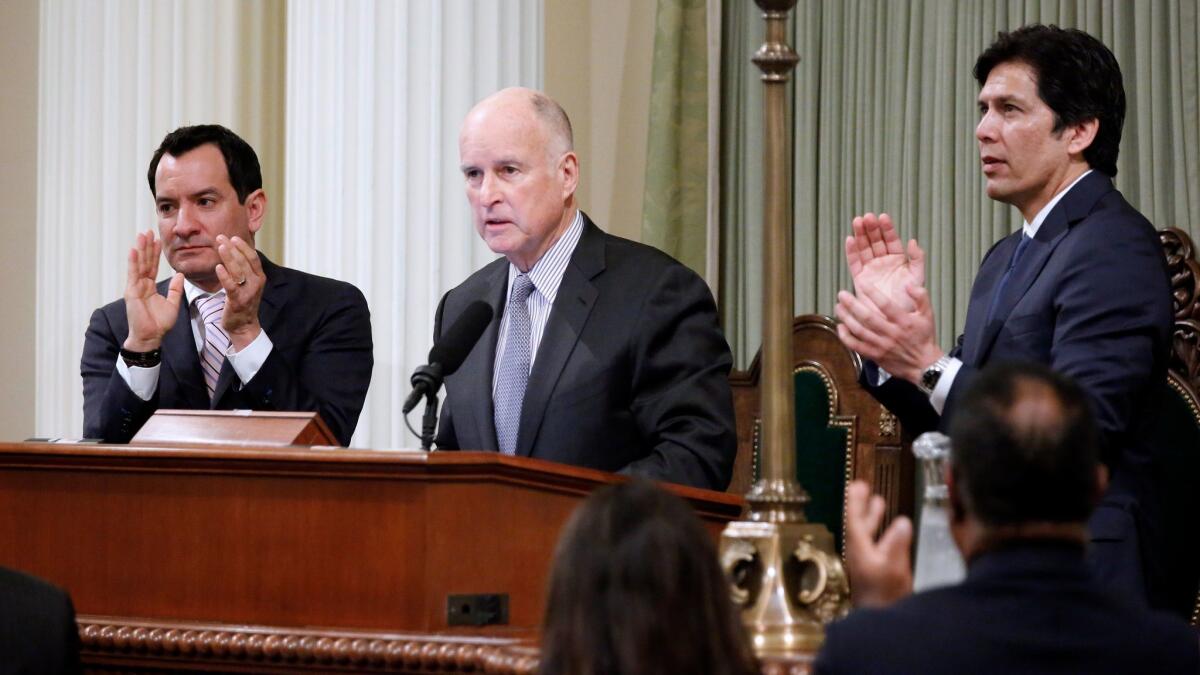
602 352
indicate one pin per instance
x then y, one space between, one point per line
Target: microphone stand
429 421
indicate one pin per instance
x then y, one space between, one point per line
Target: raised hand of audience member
880 569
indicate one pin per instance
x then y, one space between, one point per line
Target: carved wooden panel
1184 272
879 449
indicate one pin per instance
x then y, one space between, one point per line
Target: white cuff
247 362
937 398
881 376
141 381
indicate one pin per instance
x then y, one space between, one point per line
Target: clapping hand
150 315
241 275
876 257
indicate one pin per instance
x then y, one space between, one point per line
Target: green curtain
885 113
674 212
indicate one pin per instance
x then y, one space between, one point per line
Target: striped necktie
514 366
211 308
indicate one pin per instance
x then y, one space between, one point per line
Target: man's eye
509 170
164 208
205 202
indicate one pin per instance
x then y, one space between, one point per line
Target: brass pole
784 572
781 496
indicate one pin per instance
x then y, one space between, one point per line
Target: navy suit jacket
37 627
1028 608
321 360
631 373
1091 299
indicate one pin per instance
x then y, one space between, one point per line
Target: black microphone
449 352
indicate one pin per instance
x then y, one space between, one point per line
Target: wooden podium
270 559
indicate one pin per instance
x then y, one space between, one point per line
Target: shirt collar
1032 228
547 273
191 291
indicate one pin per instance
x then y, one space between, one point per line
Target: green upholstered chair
842 433
1176 462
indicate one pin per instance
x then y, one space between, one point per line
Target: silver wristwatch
931 375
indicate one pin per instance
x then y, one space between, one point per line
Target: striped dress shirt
546 275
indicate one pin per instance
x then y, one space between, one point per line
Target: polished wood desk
287 559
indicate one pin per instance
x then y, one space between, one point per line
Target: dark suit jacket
1030 608
631 374
320 361
37 627
1092 301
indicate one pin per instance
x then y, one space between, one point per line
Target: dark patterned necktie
1008 273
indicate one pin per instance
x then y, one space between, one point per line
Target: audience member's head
637 588
1024 465
1025 449
1077 76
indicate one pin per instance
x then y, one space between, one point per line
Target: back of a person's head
636 588
1025 447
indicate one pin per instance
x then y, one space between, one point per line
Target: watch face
930 377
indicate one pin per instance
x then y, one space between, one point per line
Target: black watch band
141 359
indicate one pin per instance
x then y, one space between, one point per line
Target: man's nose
186 223
986 129
490 191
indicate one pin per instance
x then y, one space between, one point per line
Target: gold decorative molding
887 424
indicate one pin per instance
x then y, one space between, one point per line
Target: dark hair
1077 77
240 161
636 588
1024 447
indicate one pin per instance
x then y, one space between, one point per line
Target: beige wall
598 56
18 213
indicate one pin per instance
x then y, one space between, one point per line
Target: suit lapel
481 363
274 297
572 306
1074 206
182 360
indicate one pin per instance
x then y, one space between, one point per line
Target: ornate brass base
788 582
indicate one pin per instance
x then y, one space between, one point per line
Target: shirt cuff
143 382
937 398
875 375
247 362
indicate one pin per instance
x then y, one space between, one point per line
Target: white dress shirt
246 363
546 275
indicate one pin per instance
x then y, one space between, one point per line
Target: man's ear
1081 135
568 168
256 209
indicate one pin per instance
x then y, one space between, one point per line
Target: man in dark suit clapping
230 329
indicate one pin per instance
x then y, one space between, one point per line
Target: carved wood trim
214 646
1184 273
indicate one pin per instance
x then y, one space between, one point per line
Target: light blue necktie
514 367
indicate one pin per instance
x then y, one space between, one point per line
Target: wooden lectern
271 559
